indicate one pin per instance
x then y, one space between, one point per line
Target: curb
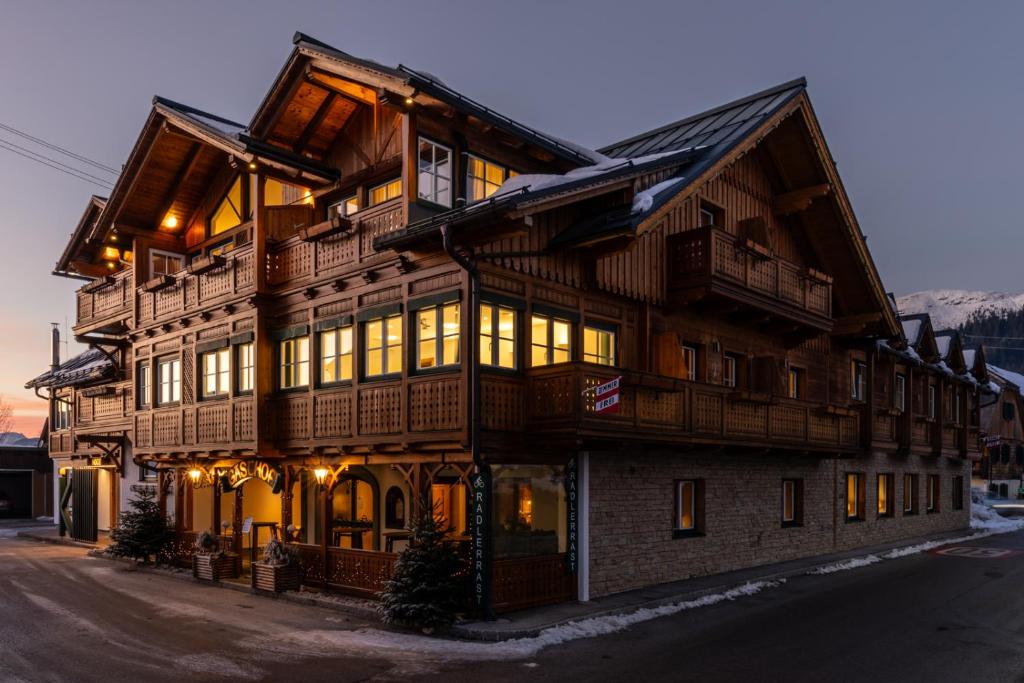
55 540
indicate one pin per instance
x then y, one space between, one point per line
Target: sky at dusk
920 104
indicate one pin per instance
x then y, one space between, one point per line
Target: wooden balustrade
359 572
106 301
293 261
237 277
710 258
531 581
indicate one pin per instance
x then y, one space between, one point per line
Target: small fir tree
143 530
427 588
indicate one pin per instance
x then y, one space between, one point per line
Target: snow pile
846 564
951 307
643 201
987 520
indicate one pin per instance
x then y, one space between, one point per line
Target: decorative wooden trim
337 225
157 283
206 264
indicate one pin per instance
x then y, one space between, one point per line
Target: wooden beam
191 159
314 123
853 324
799 200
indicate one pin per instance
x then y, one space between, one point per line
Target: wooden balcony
188 292
552 403
105 305
709 264
296 262
218 425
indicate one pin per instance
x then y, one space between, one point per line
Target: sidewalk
49 533
529 623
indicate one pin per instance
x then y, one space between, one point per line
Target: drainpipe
469 265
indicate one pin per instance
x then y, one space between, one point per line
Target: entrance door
83 505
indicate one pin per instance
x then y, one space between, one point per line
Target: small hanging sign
606 396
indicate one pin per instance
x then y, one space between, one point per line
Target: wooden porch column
326 529
237 521
286 503
161 491
179 501
215 509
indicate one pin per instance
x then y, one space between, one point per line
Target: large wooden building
380 292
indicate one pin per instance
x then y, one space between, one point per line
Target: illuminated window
497 336
885 495
483 178
690 363
854 496
792 502
795 383
345 207
221 248
909 494
229 213
383 346
689 507
899 394
145 384
598 345
933 493
336 355
164 263
437 336
216 369
549 340
434 182
246 367
276 193
168 380
294 362
858 380
385 191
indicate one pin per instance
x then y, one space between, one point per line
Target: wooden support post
215 508
286 504
179 502
325 532
237 522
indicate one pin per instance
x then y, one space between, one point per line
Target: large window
909 494
689 507
549 340
435 173
385 191
854 496
61 414
933 492
382 343
792 502
885 495
216 368
276 193
858 380
483 178
497 336
168 380
336 355
437 336
231 210
144 384
598 345
246 367
164 263
293 358
899 395
529 510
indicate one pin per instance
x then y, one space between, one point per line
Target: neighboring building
380 290
26 478
1003 452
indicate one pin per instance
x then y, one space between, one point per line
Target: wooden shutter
768 376
668 355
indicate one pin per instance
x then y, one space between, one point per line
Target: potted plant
279 569
210 563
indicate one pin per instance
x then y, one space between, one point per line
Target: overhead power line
73 169
57 148
75 174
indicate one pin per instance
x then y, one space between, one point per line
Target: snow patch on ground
846 564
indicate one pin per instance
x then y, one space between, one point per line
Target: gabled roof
89 367
92 211
709 128
950 350
917 328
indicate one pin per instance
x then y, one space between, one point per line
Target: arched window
394 508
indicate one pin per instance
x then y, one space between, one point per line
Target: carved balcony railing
207 425
709 262
106 303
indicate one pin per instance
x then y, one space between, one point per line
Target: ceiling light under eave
170 222
252 166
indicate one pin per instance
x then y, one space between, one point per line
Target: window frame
795 383
730 379
386 370
144 385
858 380
601 328
341 203
219 354
930 397
294 365
890 494
692 366
337 356
933 488
910 507
859 496
173 360
796 491
432 172
166 254
899 393
549 346
696 527
715 212
370 203
242 371
62 414
439 338
507 173
495 338
242 211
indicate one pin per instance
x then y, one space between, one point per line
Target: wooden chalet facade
379 289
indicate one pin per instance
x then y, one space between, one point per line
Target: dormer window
435 173
229 213
483 178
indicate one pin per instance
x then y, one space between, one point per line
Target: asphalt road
68 617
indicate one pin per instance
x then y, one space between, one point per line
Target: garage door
16 487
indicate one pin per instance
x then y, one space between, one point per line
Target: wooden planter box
214 567
206 264
267 577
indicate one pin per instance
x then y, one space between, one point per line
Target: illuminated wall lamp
195 474
321 475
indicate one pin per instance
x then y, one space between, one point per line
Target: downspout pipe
469 265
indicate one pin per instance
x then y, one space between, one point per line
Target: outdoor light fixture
171 222
408 100
321 475
252 165
195 474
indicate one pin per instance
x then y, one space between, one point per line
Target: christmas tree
143 530
427 588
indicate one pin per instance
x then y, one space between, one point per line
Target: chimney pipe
55 346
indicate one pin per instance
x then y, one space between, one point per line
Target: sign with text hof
480 517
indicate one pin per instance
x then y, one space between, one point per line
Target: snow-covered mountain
17 439
951 307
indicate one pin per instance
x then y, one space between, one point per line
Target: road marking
976 553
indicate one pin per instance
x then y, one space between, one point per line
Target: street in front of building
937 615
